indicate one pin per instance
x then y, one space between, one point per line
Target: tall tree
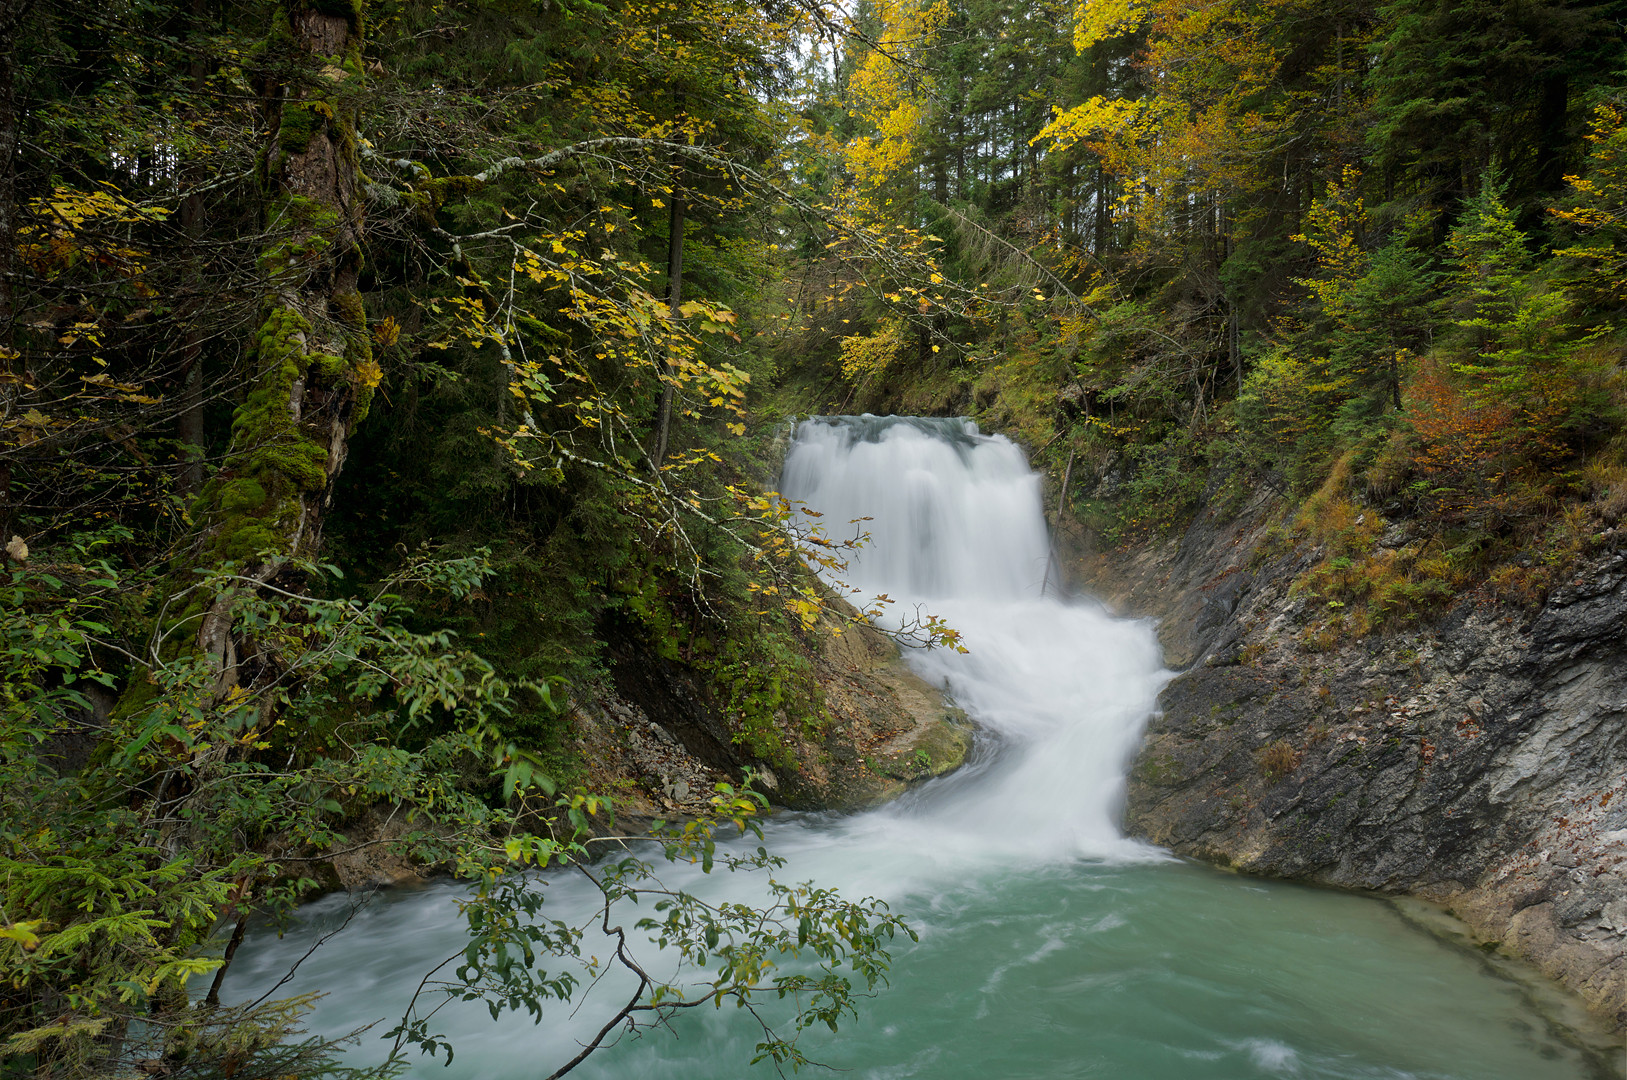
1460 88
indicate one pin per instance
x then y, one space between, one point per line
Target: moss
137 696
248 537
276 463
1157 769
306 213
358 358
296 127
240 494
942 747
257 499
348 307
422 204
303 463
349 10
454 187
278 40
443 188
343 130
312 225
282 28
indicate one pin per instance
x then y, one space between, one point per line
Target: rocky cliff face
1479 762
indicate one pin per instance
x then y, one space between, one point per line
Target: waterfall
955 528
949 513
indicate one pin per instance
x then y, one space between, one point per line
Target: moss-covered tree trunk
310 362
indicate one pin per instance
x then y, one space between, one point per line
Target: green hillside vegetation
1365 257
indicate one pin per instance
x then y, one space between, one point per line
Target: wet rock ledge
1479 762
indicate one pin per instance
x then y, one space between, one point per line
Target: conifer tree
1491 84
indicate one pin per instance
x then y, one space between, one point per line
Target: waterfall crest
949 512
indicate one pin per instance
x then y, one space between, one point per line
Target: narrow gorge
722 538
1039 919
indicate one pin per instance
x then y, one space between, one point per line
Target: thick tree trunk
1553 112
312 366
1101 214
189 430
10 16
960 155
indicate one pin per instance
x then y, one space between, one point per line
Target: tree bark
1553 110
238 933
189 430
312 365
11 17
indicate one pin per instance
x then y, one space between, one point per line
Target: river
1050 945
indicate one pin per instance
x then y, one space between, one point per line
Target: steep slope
1479 761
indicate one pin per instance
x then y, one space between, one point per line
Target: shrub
1392 466
1278 760
1164 489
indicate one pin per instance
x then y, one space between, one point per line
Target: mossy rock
934 749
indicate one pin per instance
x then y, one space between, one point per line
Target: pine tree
1521 349
1491 84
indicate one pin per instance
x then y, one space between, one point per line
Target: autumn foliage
1468 449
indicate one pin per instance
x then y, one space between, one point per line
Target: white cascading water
950 513
956 529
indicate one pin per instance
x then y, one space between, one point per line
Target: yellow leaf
387 331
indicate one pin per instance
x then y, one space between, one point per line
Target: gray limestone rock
1480 762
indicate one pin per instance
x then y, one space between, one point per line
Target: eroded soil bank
1478 761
